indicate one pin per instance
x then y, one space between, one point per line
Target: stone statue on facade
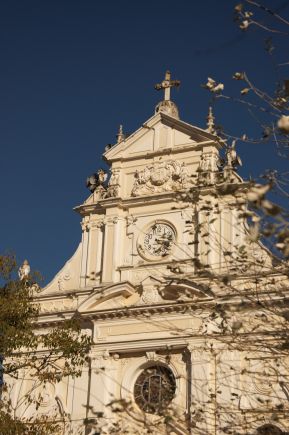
231 162
232 159
209 168
24 270
113 184
96 180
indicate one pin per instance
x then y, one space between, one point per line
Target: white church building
171 286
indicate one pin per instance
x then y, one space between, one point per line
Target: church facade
173 289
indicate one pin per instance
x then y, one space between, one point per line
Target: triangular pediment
159 133
112 297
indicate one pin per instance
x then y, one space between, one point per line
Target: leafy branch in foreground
268 106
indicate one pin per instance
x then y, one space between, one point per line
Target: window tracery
154 389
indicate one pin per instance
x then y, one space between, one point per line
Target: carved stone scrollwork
84 226
130 223
213 325
160 177
111 220
150 295
64 277
99 193
58 306
98 224
151 356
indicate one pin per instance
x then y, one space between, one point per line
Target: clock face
158 240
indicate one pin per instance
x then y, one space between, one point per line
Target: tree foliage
44 356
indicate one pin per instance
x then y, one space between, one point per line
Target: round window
154 389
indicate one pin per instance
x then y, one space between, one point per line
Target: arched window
154 389
270 429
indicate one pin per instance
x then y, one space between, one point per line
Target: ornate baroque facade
166 278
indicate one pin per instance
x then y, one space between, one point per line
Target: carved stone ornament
151 356
99 193
58 305
150 295
48 402
264 379
113 185
45 394
111 220
208 172
160 177
64 277
99 224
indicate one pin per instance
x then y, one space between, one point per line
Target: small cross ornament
167 84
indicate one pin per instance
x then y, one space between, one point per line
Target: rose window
154 389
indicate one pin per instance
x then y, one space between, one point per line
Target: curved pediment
124 294
118 295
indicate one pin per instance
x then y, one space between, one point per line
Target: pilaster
95 253
109 249
202 389
84 254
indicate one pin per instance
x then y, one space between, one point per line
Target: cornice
243 300
61 294
163 197
154 263
168 151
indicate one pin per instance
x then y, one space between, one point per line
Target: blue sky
72 71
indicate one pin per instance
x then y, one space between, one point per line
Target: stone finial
24 270
232 159
120 135
211 122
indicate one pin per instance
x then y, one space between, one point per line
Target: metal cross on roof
167 84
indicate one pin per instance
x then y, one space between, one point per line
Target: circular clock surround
157 240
